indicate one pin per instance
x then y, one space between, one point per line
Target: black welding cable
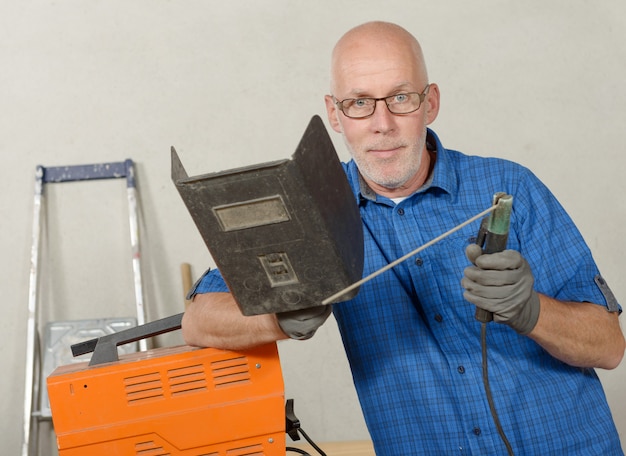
311 442
492 407
297 450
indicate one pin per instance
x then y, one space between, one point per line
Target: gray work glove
302 324
502 283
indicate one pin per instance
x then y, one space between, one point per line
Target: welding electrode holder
493 236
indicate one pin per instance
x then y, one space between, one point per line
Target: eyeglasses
400 103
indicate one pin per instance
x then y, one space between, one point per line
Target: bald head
372 42
380 61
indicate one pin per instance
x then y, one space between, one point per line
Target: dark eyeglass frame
388 100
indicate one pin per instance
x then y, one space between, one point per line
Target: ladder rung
113 170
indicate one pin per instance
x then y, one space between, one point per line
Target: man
410 334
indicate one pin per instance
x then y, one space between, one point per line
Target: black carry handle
105 348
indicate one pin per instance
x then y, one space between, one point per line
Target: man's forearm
214 320
579 334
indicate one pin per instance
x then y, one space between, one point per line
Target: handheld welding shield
286 234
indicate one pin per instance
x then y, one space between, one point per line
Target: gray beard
390 182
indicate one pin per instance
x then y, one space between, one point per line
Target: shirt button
400 211
461 369
438 318
419 261
476 431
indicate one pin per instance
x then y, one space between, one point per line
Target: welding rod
374 274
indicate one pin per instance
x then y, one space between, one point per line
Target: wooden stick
185 271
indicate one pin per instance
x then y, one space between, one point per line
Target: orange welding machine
170 401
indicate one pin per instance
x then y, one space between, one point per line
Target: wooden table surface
352 448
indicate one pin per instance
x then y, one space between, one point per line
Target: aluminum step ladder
60 334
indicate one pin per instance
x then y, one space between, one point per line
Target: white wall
235 83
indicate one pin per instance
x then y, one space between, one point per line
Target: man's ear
432 103
333 113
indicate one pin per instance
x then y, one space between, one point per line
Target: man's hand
302 324
502 283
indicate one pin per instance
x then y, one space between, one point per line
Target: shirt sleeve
562 263
210 282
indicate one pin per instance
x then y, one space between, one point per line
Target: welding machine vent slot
252 450
142 388
188 379
230 372
150 448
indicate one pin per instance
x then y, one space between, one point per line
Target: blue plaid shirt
414 345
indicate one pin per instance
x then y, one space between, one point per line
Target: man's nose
383 119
